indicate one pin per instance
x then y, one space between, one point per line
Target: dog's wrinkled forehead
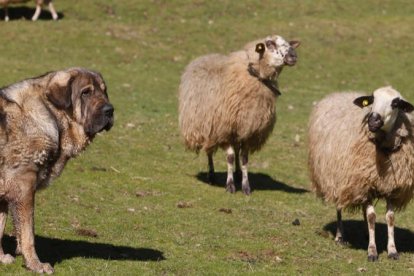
85 78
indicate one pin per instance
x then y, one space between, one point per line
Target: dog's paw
18 250
6 259
39 267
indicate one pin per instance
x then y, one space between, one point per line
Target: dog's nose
108 110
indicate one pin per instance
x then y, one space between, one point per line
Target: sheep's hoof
372 258
230 187
340 241
246 190
394 256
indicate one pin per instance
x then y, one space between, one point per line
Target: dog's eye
86 92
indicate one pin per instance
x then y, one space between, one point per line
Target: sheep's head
276 51
272 54
384 104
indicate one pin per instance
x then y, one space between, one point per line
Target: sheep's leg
211 178
392 250
237 163
53 11
37 12
372 248
4 258
230 160
339 238
245 176
6 13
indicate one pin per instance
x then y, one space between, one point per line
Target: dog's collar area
268 82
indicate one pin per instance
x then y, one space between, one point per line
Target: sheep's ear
364 101
260 48
402 105
294 43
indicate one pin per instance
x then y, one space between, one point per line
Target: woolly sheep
228 102
362 148
39 3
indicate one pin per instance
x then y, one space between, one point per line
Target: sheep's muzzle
291 57
375 122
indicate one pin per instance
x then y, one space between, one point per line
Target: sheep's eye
394 103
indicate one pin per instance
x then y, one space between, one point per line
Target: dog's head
81 93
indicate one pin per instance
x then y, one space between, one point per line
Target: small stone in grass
183 204
86 232
322 233
225 210
362 269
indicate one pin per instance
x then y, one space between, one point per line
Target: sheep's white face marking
278 48
383 98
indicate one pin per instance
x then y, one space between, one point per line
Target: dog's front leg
16 230
4 258
25 222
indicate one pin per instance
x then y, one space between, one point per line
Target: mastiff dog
44 121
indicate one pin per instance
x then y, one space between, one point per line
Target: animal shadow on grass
56 250
258 181
17 13
356 235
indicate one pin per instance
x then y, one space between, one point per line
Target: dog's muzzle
108 111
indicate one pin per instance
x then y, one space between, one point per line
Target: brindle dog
44 121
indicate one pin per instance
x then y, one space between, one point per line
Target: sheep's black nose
375 122
108 110
291 57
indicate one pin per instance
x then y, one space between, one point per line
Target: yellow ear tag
365 102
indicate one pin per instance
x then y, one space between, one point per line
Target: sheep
361 148
39 4
228 102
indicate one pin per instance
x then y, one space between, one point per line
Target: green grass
141 48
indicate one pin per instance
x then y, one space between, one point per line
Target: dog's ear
364 101
59 91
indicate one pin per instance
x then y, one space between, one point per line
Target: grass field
115 209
